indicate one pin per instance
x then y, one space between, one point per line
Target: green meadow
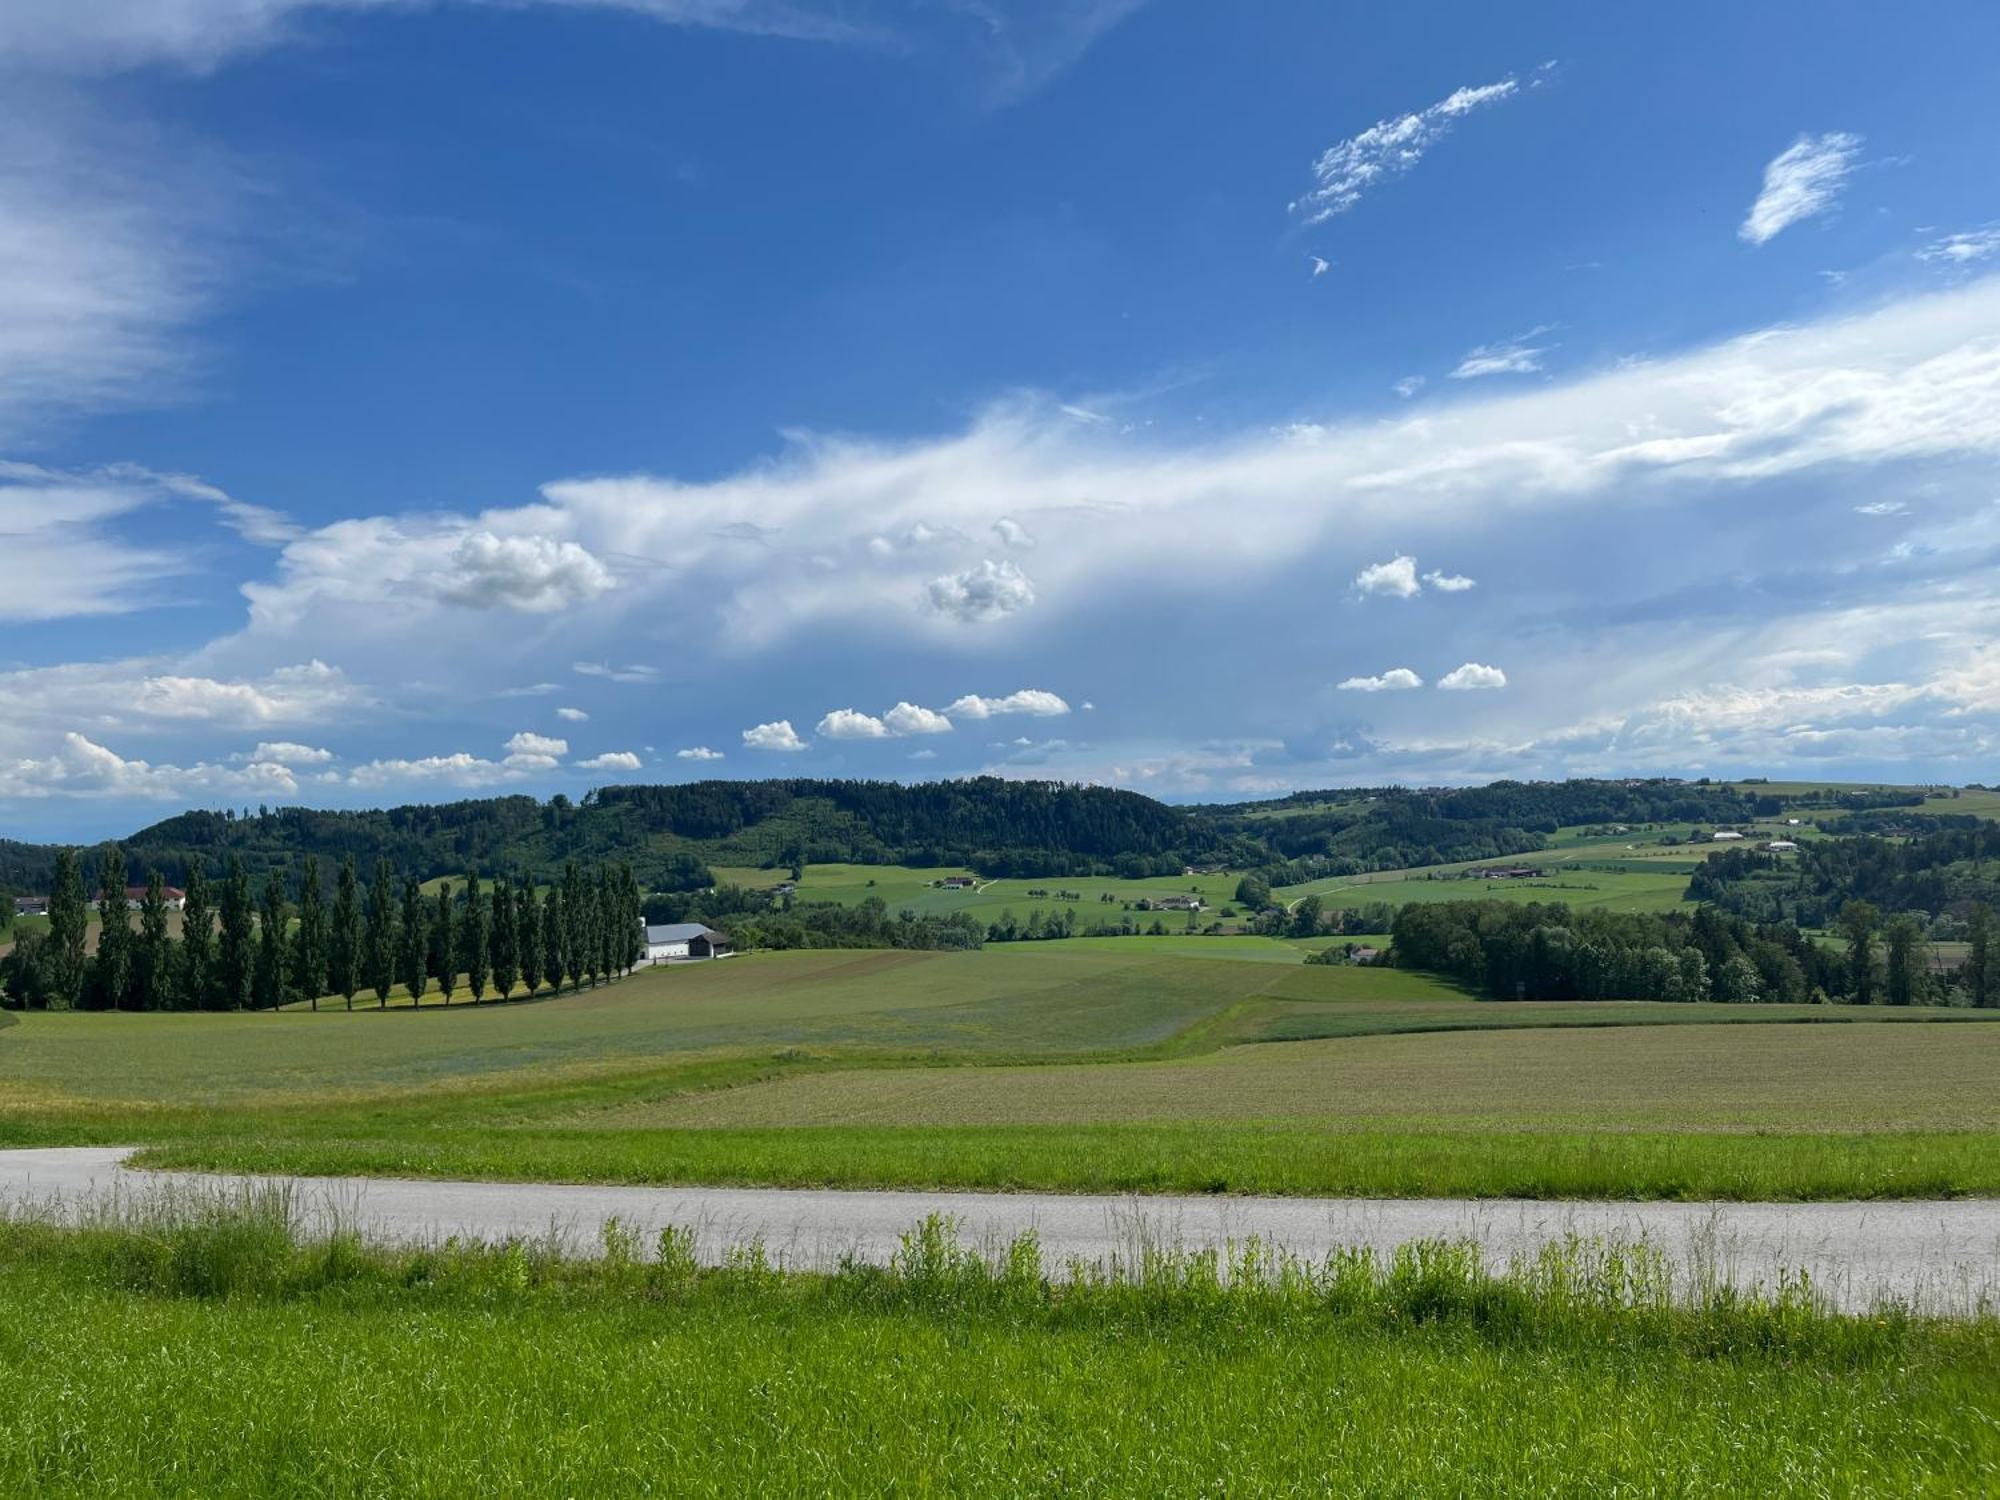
1175 1064
214 1352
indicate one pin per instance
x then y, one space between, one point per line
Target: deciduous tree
343 936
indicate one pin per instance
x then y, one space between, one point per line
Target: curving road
1944 1256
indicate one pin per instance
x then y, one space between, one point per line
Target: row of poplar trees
241 948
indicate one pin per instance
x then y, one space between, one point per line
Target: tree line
1525 951
245 946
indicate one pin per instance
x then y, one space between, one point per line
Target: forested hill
671 834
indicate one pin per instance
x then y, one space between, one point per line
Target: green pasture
1120 1064
901 886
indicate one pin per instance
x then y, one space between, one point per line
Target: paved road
1946 1256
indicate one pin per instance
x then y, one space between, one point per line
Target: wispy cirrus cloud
1801 181
1346 171
1515 356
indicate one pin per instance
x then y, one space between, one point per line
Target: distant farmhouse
1504 872
135 897
1178 903
1781 846
31 906
1721 835
958 882
677 942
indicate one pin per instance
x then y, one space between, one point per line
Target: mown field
1110 1065
215 1355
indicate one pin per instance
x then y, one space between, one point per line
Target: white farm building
684 940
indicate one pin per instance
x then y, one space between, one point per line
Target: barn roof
681 932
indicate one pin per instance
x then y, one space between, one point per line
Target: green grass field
1116 1064
214 1354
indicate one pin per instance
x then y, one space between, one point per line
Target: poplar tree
575 926
111 973
194 966
502 952
443 955
635 920
610 923
1980 958
416 940
552 925
69 917
528 934
152 960
474 938
379 949
343 936
267 986
235 956
310 943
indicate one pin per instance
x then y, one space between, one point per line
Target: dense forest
671 835
1939 875
1535 952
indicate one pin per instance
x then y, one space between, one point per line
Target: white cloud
1388 148
989 591
79 767
908 718
1033 701
573 715
1408 386
459 769
1395 680
288 753
612 760
1320 266
698 752
925 754
1963 248
1397 578
637 672
1473 675
527 742
1013 534
1802 180
842 724
1449 583
777 735
534 573
299 694
1513 357
1881 508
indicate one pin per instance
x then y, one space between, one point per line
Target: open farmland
1082 1065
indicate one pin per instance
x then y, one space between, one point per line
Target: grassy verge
217 1355
1160 1158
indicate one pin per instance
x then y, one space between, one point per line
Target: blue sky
401 401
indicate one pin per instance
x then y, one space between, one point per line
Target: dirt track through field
1945 1256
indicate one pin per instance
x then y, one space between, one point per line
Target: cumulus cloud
908 718
1344 172
1397 578
1033 701
698 752
1473 675
989 591
1395 680
1449 583
1802 180
776 735
573 715
537 574
612 760
527 742
1517 356
459 769
1013 534
846 724
288 753
80 767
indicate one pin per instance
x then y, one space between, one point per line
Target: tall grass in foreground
204 1347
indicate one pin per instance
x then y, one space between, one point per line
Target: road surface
1944 1256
